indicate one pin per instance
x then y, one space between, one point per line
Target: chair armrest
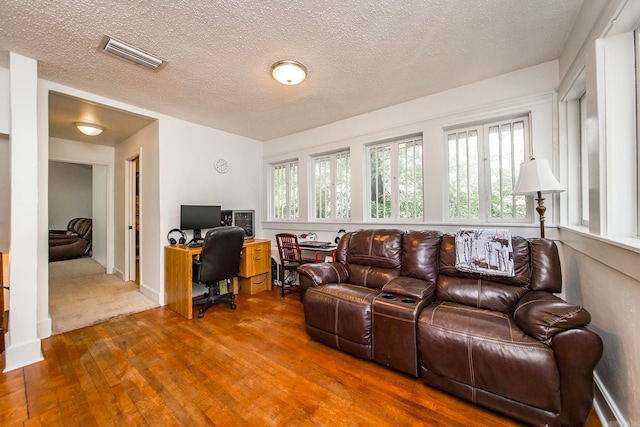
410 287
542 315
196 270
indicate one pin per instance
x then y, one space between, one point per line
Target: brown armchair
71 243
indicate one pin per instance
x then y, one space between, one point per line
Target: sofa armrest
542 315
325 272
312 275
410 287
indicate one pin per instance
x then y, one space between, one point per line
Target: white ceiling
361 55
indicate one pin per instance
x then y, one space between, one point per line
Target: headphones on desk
182 240
341 233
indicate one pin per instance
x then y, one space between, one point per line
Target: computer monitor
246 220
198 218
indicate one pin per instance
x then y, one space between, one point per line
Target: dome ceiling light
288 72
89 128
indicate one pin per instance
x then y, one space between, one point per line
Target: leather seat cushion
486 350
339 315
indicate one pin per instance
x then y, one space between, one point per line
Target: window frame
392 145
482 129
291 190
332 158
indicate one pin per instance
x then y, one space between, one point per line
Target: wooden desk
255 267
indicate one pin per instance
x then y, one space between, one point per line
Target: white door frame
130 217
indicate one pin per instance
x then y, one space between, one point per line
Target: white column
23 341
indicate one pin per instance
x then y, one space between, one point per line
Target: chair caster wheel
233 306
200 315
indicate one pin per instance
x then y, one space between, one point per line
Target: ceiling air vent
131 53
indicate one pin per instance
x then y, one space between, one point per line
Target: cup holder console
404 300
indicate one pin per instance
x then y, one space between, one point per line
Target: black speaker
182 240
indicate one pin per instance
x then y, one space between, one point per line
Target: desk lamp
536 178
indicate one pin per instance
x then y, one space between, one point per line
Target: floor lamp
536 178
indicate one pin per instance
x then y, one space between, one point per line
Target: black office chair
219 260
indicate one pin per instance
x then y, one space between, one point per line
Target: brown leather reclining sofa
71 243
505 343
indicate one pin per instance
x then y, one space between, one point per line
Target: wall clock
221 165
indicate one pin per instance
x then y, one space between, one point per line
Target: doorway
133 221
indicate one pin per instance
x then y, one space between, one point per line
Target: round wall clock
221 165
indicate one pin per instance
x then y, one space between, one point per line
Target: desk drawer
255 260
253 285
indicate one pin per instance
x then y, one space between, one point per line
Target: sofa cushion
420 254
376 248
485 350
499 293
546 273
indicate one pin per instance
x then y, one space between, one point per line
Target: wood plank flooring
254 366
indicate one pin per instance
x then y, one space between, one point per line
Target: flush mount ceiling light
89 128
288 72
131 53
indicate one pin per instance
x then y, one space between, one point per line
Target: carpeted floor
82 294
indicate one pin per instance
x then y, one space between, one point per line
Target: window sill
629 243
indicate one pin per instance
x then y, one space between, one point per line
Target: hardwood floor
250 366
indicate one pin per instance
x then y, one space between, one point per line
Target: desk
330 249
255 268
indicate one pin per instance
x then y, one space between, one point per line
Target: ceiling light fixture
131 53
89 128
288 72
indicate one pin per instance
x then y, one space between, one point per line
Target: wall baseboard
118 273
45 327
152 294
605 407
26 353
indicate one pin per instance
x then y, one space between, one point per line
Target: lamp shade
89 128
288 72
536 176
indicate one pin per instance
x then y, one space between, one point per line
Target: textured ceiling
362 55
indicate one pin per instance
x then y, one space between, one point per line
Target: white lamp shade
288 72
536 176
89 128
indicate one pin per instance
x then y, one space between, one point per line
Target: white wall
187 176
70 193
145 145
525 91
601 270
23 341
4 101
100 204
101 158
5 194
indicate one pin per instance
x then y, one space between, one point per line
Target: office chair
290 258
219 260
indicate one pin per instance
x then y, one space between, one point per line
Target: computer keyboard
196 244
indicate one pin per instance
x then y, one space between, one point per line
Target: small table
330 248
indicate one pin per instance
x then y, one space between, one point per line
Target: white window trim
484 178
393 143
333 177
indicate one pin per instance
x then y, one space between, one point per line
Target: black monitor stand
197 235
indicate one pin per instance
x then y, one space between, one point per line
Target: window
396 184
584 163
481 190
332 186
286 202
